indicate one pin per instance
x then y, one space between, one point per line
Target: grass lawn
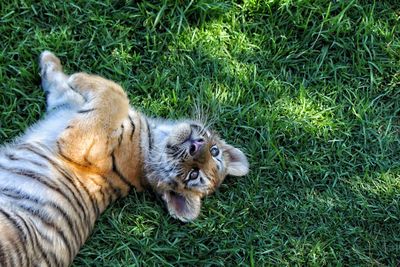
309 89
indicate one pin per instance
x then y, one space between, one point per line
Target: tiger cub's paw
87 84
49 63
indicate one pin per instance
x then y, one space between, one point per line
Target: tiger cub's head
188 162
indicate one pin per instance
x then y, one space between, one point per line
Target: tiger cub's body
90 149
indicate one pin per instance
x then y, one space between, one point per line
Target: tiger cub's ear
183 207
236 161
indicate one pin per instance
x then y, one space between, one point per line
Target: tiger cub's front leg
93 133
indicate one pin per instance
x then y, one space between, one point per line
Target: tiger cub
90 149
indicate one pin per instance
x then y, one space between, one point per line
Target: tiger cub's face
188 163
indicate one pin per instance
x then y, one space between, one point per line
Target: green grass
309 89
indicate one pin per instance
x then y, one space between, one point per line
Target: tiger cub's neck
141 141
130 152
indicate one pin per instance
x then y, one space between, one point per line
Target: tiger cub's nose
196 146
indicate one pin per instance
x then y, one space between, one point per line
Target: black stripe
218 166
95 208
196 126
173 184
42 235
37 177
12 157
199 128
83 96
46 92
140 140
55 258
58 107
118 172
208 178
21 237
104 195
39 247
17 194
86 110
179 155
29 237
68 178
14 245
71 160
45 256
34 240
3 259
42 179
133 127
68 220
112 192
149 136
175 152
116 192
11 257
122 134
172 148
34 176
59 232
180 172
101 192
168 168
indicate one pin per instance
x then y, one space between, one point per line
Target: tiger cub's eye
214 151
194 174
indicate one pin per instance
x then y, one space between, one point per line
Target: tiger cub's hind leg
54 83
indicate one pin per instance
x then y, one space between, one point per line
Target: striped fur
89 150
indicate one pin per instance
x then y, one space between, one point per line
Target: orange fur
91 150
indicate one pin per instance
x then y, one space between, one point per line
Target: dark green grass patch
309 89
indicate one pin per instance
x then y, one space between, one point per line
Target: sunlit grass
309 89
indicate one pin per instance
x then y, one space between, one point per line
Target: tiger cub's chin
186 162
